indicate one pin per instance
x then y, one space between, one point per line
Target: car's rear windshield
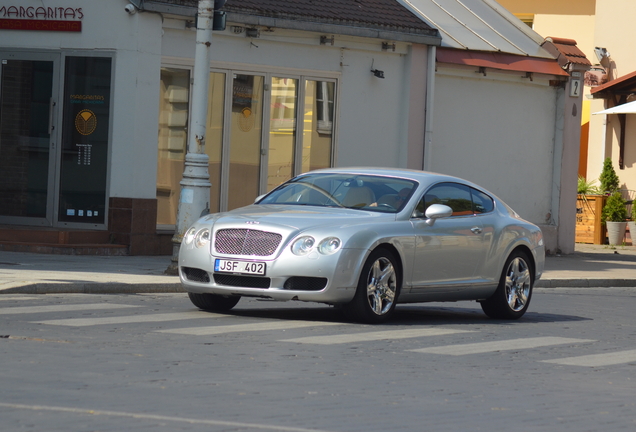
368 192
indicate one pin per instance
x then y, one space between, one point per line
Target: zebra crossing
344 333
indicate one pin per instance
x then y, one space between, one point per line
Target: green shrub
608 177
614 209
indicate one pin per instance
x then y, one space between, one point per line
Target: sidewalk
589 266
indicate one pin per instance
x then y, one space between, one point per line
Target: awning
626 108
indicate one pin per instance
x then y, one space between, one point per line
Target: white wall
497 131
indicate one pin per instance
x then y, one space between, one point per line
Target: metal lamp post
194 199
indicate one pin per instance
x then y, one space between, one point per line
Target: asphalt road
76 362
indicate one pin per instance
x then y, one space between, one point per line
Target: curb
93 288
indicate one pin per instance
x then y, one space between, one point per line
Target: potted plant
614 216
632 229
585 187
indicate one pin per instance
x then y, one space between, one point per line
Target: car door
449 251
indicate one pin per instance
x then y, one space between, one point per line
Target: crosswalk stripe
61 308
503 345
373 336
235 328
597 360
85 322
9 297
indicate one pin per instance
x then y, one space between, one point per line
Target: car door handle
476 230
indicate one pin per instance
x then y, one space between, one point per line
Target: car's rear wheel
378 289
512 297
213 302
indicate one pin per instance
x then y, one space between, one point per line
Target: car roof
424 177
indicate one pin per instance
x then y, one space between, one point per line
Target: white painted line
504 345
597 360
161 418
61 308
374 336
236 328
85 322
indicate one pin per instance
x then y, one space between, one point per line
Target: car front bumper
315 278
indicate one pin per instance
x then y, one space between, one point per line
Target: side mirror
437 211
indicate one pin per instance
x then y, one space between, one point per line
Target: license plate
243 267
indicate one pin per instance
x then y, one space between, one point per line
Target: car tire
512 297
378 289
213 302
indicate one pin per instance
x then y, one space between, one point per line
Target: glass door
245 140
28 99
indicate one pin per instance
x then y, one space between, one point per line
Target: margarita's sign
41 18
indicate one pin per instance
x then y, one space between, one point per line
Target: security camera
131 9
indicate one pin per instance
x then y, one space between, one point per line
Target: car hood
295 217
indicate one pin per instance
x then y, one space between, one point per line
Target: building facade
96 99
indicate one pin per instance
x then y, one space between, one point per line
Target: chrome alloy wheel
381 286
518 284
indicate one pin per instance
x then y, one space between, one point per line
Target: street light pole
194 199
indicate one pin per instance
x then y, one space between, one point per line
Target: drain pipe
194 199
427 163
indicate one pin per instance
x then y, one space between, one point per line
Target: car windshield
368 192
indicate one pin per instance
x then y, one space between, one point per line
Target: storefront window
173 135
85 134
282 131
214 136
235 143
318 125
245 140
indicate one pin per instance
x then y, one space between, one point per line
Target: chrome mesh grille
246 242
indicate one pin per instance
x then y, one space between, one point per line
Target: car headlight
303 245
189 235
329 245
202 238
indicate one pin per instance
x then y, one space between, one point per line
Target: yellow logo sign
85 122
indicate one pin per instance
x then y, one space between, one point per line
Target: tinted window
482 203
454 195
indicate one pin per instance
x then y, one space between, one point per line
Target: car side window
454 195
482 203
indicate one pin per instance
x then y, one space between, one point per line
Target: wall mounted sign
41 18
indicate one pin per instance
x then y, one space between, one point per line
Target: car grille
246 242
302 283
242 281
195 274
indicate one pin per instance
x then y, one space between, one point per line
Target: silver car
366 239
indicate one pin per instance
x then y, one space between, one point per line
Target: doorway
28 99
54 139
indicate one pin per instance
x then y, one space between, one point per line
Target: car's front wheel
213 302
512 297
378 289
